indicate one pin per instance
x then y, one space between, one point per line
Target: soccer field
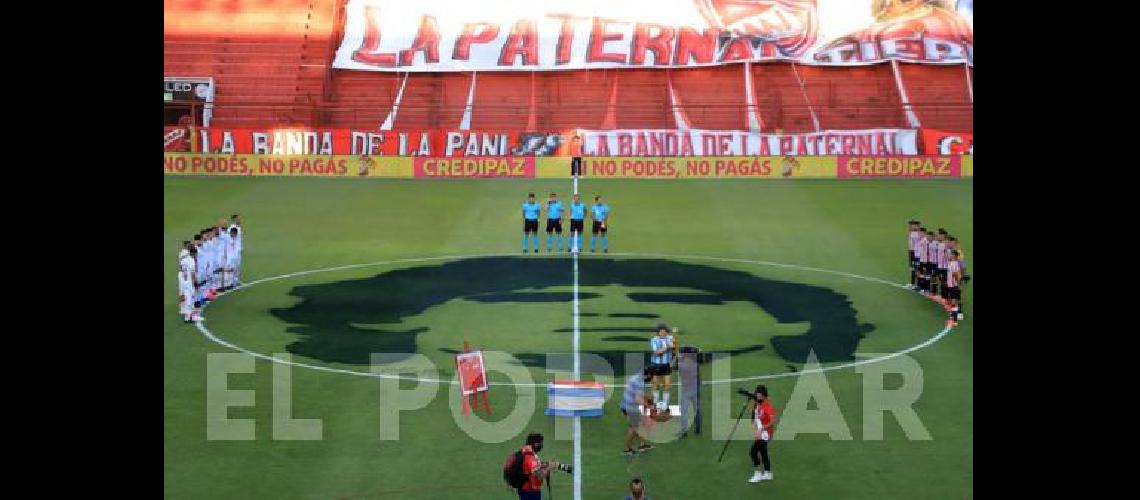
763 271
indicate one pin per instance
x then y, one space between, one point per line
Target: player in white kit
217 261
220 237
186 272
232 250
199 271
235 224
206 261
210 263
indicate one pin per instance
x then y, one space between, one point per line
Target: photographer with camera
524 471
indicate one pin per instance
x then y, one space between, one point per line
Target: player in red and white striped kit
932 249
920 250
912 260
941 257
953 286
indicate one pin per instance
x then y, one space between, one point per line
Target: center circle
645 265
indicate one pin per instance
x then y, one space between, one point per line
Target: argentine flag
575 399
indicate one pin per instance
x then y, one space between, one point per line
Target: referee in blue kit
530 209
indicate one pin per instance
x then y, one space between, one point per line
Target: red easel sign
472 373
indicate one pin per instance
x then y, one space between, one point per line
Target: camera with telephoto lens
746 394
569 469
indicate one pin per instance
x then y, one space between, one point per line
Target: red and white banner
633 142
940 142
464 35
303 141
737 143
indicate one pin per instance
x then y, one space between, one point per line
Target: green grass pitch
765 316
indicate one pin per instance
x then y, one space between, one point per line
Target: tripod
734 426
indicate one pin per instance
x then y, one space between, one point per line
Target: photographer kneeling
524 471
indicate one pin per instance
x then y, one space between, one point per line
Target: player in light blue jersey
577 222
601 214
662 350
553 221
530 209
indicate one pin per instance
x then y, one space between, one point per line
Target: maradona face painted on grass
346 321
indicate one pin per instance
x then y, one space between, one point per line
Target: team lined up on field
208 264
937 267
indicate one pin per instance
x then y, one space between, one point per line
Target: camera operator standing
524 471
763 418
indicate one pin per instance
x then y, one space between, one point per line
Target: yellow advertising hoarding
558 167
285 165
693 167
